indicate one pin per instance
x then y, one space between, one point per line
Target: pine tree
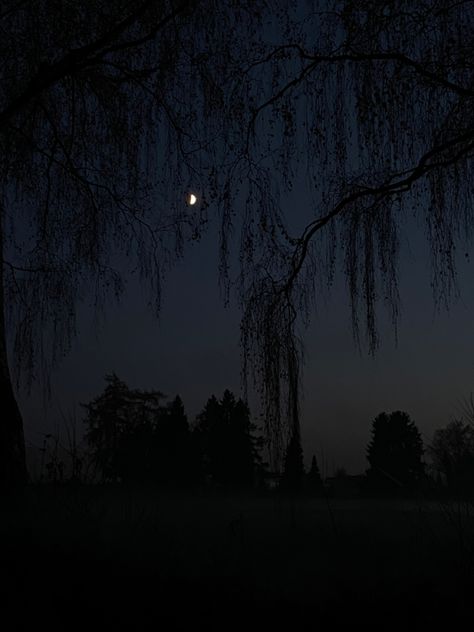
230 450
171 453
315 483
394 453
293 472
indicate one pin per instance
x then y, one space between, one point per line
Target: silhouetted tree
85 93
121 429
452 451
53 463
97 99
314 480
293 472
231 452
394 453
398 135
172 461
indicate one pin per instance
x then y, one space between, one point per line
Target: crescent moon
192 199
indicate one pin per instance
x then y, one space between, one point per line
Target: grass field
137 560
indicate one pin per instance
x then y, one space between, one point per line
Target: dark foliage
313 478
292 479
230 451
394 454
173 462
110 111
133 438
452 451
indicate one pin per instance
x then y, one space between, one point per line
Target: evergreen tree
230 451
293 472
394 453
315 483
171 442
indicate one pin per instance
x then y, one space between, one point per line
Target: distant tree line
134 437
395 455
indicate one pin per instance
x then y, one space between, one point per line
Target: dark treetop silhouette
230 451
314 480
110 112
121 426
134 438
292 479
452 452
394 454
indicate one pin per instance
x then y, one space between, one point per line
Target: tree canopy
452 451
394 453
122 424
230 449
293 475
110 112
134 437
314 480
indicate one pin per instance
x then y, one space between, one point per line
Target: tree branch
424 166
316 60
82 57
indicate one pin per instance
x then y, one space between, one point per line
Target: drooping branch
206 99
360 85
88 55
355 57
463 146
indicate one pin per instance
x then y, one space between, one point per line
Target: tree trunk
13 471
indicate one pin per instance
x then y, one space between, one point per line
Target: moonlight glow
192 199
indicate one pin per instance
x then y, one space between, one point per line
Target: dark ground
131 560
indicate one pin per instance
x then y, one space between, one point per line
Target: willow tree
111 112
105 112
372 103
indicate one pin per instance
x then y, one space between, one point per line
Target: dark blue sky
193 350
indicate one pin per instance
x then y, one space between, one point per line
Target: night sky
193 350
235 152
